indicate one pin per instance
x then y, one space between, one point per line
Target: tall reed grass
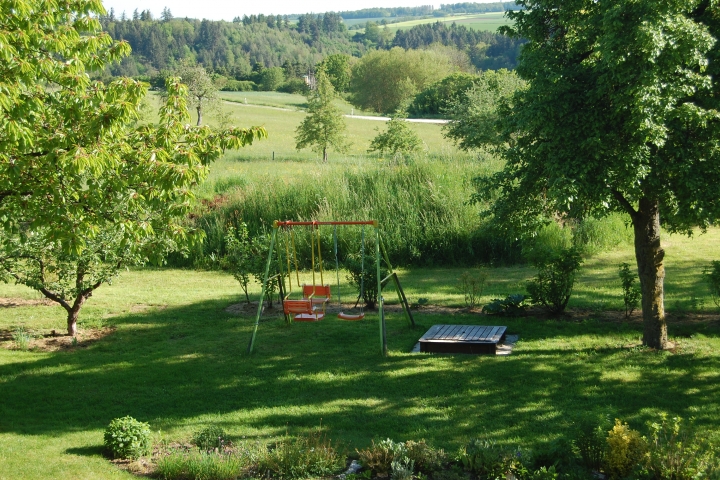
422 208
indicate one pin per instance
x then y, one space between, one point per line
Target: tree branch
624 203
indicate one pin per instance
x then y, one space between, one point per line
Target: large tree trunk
651 270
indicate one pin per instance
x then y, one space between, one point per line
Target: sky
227 10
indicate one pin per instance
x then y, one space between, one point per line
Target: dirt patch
55 341
142 307
24 302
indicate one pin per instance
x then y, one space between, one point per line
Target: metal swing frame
380 254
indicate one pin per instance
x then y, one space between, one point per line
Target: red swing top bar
289 223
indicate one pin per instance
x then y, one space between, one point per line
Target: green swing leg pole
398 288
383 336
264 288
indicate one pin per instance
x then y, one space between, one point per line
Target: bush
557 453
486 459
472 284
675 452
239 86
631 292
363 276
294 85
307 456
127 438
210 438
511 306
590 444
425 458
553 284
624 452
379 457
712 277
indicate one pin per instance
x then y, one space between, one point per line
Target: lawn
176 359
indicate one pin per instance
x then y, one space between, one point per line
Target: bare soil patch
24 302
55 341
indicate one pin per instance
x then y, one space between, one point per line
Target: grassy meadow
489 21
161 346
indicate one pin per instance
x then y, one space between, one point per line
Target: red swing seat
302 310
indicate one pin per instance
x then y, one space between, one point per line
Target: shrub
512 305
553 284
379 457
210 438
675 452
472 284
486 459
239 86
22 338
631 292
127 438
558 453
294 85
310 455
590 444
363 276
402 468
544 473
425 458
712 277
624 452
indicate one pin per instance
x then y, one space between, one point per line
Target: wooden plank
432 332
470 333
482 334
499 335
453 333
443 332
489 335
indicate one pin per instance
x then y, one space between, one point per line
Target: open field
481 21
175 358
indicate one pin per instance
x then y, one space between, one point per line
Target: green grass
177 360
482 21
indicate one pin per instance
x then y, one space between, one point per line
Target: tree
324 126
399 138
84 190
384 80
475 111
621 113
202 90
271 79
338 68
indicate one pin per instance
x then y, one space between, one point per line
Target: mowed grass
178 360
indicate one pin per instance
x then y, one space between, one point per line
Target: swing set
311 307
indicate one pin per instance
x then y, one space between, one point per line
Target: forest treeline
425 10
240 48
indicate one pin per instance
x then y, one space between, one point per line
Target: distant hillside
247 45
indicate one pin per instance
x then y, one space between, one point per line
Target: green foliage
85 190
544 473
271 79
472 284
398 140
241 255
362 274
558 453
625 450
402 468
511 306
239 86
210 438
307 456
677 452
630 291
22 338
712 277
324 126
477 111
488 460
338 68
383 80
202 91
554 282
127 438
439 97
591 445
294 85
182 465
378 458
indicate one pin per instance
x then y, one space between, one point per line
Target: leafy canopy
84 190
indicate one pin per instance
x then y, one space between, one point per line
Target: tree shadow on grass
170 367
88 451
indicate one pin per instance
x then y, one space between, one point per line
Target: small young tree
631 292
399 139
239 259
554 282
324 126
202 92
